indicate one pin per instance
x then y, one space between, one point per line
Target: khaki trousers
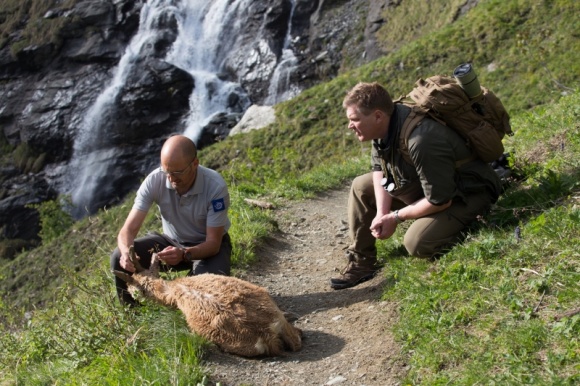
427 236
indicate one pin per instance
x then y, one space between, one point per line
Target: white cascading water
206 30
280 88
91 155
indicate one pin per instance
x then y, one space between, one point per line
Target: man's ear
379 115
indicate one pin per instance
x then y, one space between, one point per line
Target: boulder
256 117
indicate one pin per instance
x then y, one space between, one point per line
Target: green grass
484 313
487 309
88 339
402 30
29 14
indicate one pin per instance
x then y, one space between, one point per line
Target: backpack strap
462 162
415 116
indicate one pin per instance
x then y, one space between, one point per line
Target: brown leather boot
358 270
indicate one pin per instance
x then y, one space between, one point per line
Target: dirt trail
346 335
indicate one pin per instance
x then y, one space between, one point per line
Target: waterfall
207 32
280 88
92 152
207 29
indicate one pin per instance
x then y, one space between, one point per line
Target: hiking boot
358 270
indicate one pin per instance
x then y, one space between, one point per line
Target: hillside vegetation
29 15
498 309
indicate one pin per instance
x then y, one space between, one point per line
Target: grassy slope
28 15
530 45
484 311
489 309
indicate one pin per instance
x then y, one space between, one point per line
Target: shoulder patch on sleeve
218 205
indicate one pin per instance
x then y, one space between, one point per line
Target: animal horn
154 267
123 276
135 260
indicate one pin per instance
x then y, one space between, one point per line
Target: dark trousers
427 236
155 242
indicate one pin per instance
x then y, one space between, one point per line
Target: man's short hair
368 97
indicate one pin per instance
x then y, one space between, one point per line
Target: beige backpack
482 120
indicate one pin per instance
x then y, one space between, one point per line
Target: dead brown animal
238 316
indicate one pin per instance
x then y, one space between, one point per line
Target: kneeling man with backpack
423 169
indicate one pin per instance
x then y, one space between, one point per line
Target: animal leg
291 336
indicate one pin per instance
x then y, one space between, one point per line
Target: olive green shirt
434 149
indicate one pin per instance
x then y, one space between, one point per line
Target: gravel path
346 333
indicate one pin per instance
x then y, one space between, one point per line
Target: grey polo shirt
185 218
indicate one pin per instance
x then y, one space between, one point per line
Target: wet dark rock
18 219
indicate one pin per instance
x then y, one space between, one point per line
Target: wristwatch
397 218
187 255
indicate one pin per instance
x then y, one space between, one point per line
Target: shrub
54 217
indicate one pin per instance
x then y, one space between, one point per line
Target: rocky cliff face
49 91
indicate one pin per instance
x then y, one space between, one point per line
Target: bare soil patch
346 335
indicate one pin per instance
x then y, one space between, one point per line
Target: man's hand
127 235
383 227
171 255
126 262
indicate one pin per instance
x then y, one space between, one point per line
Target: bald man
193 202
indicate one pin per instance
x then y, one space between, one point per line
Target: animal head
142 280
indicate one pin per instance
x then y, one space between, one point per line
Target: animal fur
238 316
